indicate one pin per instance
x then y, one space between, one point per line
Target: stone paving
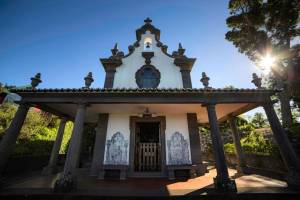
152 186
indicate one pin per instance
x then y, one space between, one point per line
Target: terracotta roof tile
140 90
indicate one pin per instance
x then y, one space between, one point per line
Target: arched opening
148 44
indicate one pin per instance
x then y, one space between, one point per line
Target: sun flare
267 62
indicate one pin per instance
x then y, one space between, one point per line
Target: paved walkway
152 186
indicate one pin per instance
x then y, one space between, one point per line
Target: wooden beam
238 112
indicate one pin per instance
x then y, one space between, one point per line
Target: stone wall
269 163
23 164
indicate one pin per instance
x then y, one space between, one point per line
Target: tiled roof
141 90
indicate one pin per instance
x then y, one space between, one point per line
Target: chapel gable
148 63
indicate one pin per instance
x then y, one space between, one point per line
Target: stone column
186 78
242 166
286 113
67 181
11 134
52 165
287 152
195 145
109 78
222 181
99 146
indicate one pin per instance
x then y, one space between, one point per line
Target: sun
266 62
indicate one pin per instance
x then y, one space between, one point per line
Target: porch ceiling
223 110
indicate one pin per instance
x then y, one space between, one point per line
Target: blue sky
65 39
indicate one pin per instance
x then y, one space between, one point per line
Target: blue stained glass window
148 78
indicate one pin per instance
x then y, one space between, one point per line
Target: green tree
38 131
259 27
7 113
259 120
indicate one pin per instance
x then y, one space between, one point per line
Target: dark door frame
162 123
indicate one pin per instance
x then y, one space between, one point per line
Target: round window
147 77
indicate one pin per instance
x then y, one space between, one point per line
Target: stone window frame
139 73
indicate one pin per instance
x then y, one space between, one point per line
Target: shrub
7 112
254 143
229 148
33 147
38 131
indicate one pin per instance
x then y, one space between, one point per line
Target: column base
66 183
293 180
243 170
225 185
94 171
117 172
198 170
49 170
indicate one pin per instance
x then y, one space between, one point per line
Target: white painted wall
177 123
170 73
118 123
174 123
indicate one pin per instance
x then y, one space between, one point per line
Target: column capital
183 69
210 104
63 119
24 103
82 104
232 117
110 70
271 102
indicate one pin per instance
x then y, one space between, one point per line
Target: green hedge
38 131
254 143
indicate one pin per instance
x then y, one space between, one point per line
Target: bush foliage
252 140
254 143
38 131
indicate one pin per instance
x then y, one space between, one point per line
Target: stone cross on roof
148 20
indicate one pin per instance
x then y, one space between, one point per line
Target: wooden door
148 157
147 147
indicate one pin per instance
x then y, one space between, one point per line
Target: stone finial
115 50
36 80
116 54
205 80
164 48
148 20
130 48
180 46
256 80
180 50
88 80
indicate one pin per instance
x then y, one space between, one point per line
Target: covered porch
209 106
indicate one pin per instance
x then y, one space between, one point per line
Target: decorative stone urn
88 80
36 80
65 184
205 80
256 81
